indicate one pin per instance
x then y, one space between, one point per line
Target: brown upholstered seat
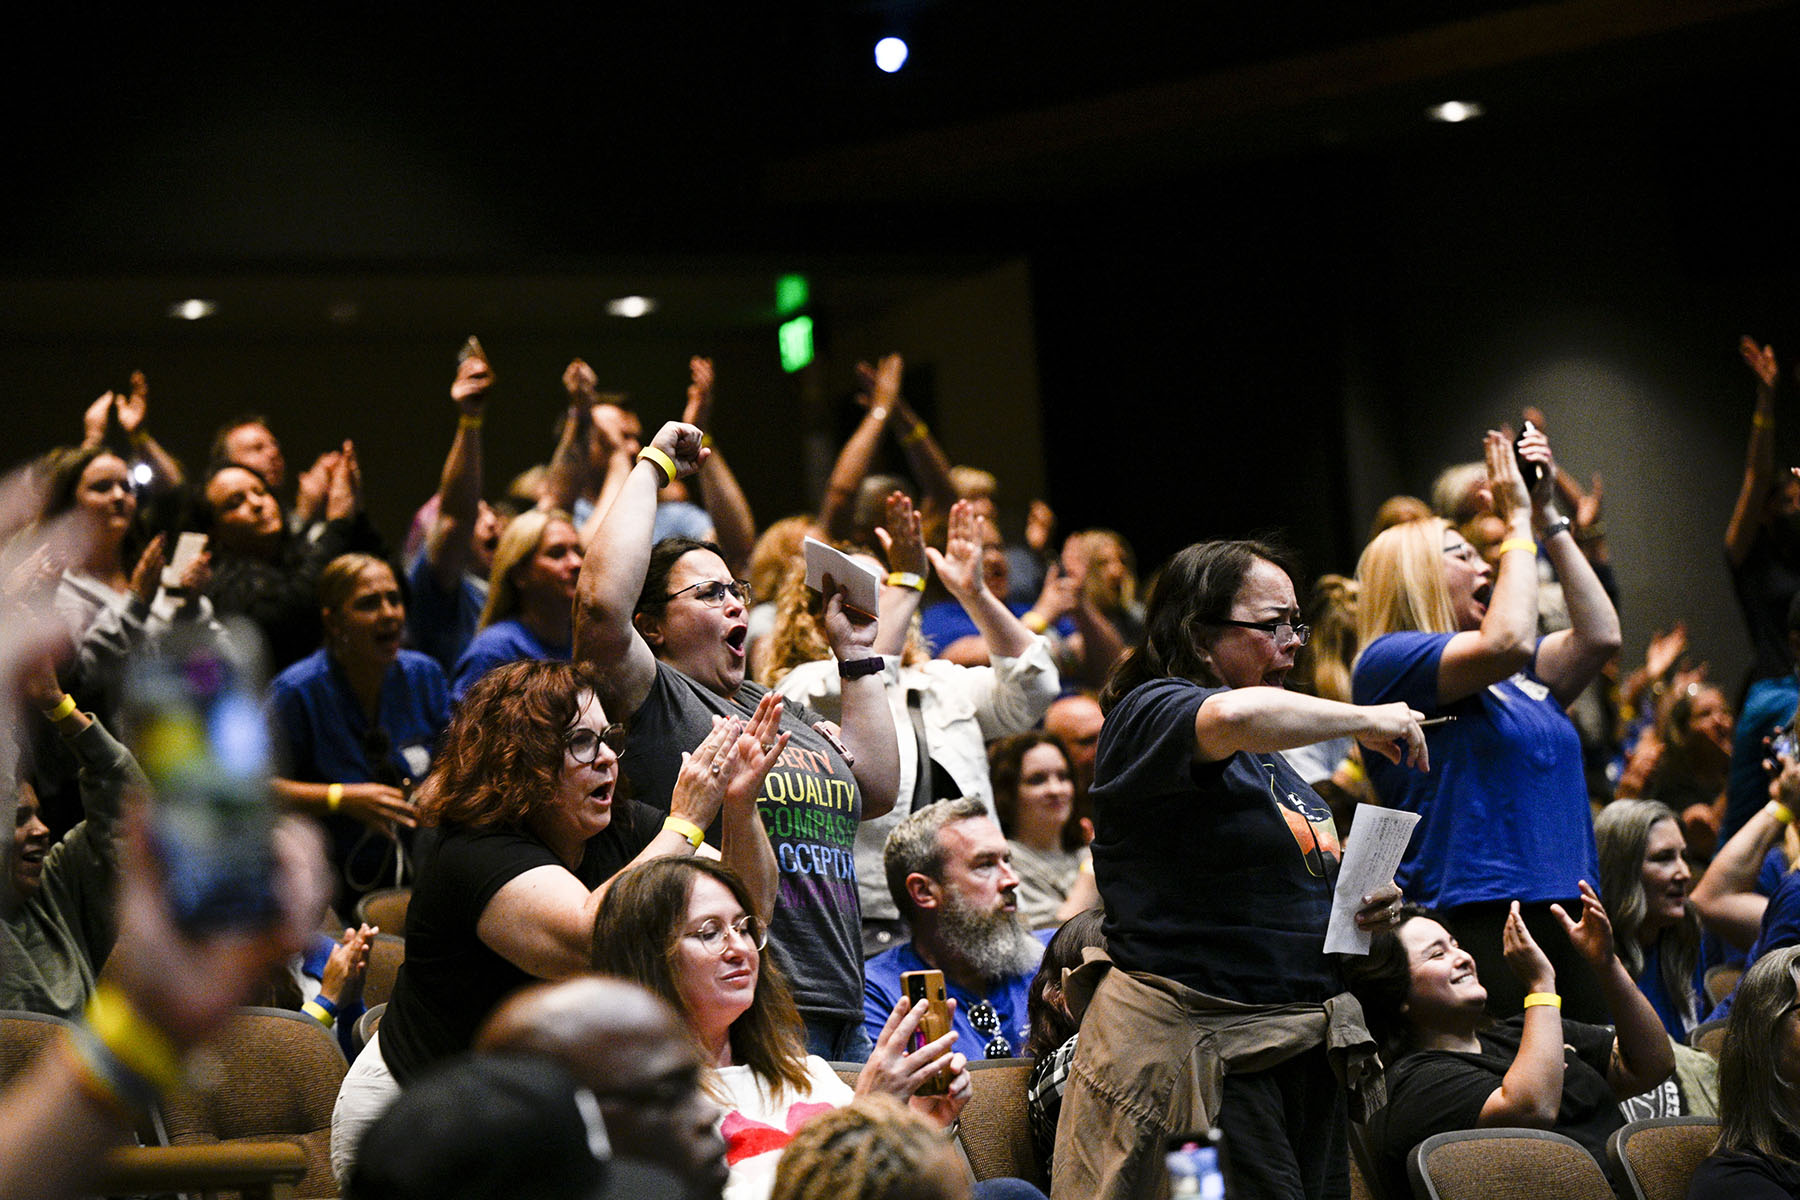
385 909
1708 1036
270 1075
386 953
1658 1156
1505 1164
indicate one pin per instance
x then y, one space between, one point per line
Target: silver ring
715 769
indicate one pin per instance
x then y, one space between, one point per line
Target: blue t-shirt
500 643
1780 927
1216 875
1676 1018
1504 809
438 622
882 990
1768 705
947 622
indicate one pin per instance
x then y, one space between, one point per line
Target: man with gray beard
950 873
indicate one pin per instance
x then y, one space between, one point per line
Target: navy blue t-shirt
1216 875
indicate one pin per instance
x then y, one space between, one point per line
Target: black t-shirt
451 980
1216 875
810 806
1765 583
1745 1177
1437 1091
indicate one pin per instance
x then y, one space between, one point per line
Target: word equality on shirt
791 787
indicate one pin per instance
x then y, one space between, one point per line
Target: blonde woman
1505 809
531 598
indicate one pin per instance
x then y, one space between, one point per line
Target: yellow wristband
1780 812
466 421
661 462
687 829
1353 770
1763 421
134 1041
1537 998
1511 544
334 797
1035 621
916 434
318 1013
906 579
61 709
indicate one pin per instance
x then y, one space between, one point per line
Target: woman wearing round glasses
1505 812
685 929
1216 864
521 835
663 629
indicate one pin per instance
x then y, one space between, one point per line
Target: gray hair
913 845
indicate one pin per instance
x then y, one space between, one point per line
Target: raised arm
134 418
1569 659
1642 1056
1726 894
959 567
903 542
868 722
853 460
1759 458
612 575
726 504
1530 1093
1262 720
568 477
1503 644
447 547
926 459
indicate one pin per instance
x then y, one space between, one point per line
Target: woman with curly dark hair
521 836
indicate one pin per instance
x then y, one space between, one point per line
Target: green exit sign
796 340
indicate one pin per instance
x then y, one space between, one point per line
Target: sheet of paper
861 584
1377 844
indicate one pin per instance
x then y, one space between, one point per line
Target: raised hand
892 1069
903 537
1665 650
580 382
470 388
133 406
341 494
1592 936
1040 524
1535 447
759 746
849 634
1526 958
1761 361
705 771
146 577
682 442
1504 480
315 485
700 392
959 566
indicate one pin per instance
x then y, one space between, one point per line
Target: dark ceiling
382 136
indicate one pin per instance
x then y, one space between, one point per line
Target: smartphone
188 547
1530 470
1785 744
929 986
471 349
192 716
1196 1164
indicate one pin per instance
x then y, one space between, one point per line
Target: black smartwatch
861 667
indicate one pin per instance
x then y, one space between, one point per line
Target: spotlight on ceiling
192 310
1453 112
890 54
631 306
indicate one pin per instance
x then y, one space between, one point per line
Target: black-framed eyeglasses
712 592
714 935
1275 629
584 743
987 1023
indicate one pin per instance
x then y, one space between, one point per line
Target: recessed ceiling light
192 310
631 306
1454 111
890 54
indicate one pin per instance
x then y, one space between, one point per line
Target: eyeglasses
987 1023
1462 552
584 743
712 592
1275 629
713 936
